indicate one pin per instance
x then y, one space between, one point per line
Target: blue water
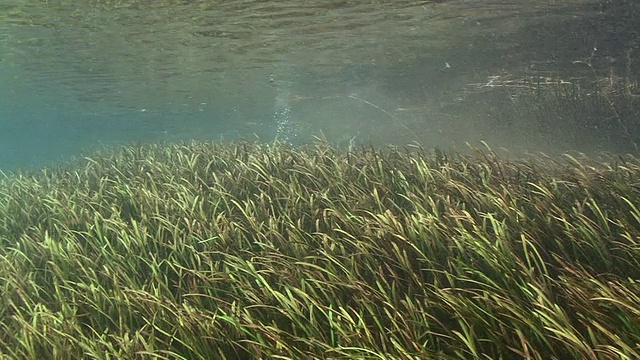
45 121
43 125
79 76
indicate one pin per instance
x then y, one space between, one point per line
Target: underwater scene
245 179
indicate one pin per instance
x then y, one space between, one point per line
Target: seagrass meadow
240 251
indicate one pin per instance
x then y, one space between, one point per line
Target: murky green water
80 74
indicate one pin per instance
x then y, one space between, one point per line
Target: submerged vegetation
203 251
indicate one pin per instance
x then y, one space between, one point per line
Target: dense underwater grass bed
236 251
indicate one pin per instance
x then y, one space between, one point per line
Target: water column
285 130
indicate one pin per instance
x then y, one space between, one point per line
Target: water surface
78 75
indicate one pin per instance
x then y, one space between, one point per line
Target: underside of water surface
537 76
